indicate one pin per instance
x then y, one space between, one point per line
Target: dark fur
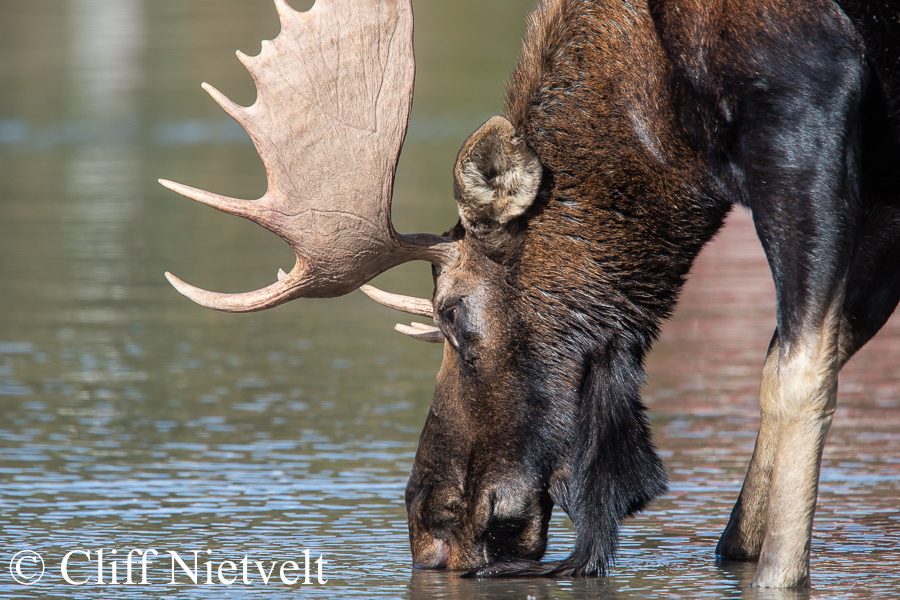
651 120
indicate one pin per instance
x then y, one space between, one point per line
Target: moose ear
496 177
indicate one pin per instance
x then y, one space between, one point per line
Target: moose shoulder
630 130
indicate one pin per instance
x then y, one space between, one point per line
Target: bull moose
631 127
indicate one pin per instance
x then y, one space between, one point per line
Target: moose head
543 323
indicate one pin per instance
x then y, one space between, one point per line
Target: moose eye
463 332
450 316
447 319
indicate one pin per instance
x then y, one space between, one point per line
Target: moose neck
626 203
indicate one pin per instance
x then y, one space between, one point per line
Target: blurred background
132 418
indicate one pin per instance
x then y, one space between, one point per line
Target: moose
630 130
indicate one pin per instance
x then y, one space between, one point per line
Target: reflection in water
133 419
448 586
742 573
102 178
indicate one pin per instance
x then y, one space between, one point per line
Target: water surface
132 418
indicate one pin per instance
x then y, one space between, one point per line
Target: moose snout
434 554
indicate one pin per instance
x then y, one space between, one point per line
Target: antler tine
421 332
334 90
232 206
235 111
284 10
407 304
267 297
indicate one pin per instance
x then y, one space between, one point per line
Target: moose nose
435 556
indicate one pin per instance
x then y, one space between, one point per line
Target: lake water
132 418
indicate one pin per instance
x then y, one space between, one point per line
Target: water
132 418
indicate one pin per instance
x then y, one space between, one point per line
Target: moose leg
810 266
743 536
798 399
799 167
872 293
773 516
779 429
772 519
804 400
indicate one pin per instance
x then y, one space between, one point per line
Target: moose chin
630 130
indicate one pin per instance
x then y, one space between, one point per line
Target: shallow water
132 418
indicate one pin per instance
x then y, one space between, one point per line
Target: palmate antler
334 91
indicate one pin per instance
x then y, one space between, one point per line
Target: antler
334 91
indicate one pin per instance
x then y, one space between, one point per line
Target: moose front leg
743 536
806 397
772 519
799 152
